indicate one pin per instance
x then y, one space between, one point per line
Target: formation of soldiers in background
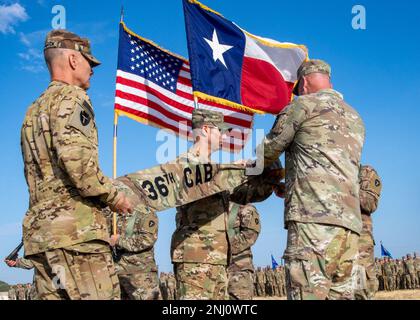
268 282
398 274
22 292
391 274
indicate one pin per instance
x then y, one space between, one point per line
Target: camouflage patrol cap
67 40
201 117
311 66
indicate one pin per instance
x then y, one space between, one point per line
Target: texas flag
233 67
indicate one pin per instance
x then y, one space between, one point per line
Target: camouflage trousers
201 281
140 286
260 289
319 261
80 272
364 275
240 285
410 281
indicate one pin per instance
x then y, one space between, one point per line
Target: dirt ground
390 295
398 295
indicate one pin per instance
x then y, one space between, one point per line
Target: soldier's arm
259 188
143 238
75 142
23 263
283 132
249 230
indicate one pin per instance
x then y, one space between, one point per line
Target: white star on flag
217 48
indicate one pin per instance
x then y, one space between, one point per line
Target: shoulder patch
82 118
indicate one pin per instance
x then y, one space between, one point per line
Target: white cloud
32 60
11 15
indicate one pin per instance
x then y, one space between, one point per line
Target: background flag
233 67
385 252
274 263
154 88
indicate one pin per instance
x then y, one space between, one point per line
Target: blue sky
376 70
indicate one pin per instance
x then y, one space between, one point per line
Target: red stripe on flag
263 87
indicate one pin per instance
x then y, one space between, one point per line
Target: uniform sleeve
75 142
258 188
144 235
249 229
23 263
281 135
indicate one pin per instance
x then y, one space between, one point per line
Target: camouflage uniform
388 275
410 273
323 139
162 285
399 277
171 284
199 247
20 292
65 235
364 269
417 267
378 272
260 281
243 231
12 293
135 261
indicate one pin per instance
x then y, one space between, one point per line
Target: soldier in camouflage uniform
199 247
378 273
260 282
135 258
11 293
20 292
65 234
323 139
417 267
162 285
243 230
364 269
171 283
410 273
388 274
22 263
399 276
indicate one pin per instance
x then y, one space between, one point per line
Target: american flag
154 88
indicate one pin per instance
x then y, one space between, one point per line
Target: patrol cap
201 117
311 66
67 40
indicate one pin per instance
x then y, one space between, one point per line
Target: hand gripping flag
154 88
233 67
274 263
385 252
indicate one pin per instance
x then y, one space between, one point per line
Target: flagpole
114 167
114 156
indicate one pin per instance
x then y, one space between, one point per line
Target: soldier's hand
11 263
280 190
113 240
122 205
